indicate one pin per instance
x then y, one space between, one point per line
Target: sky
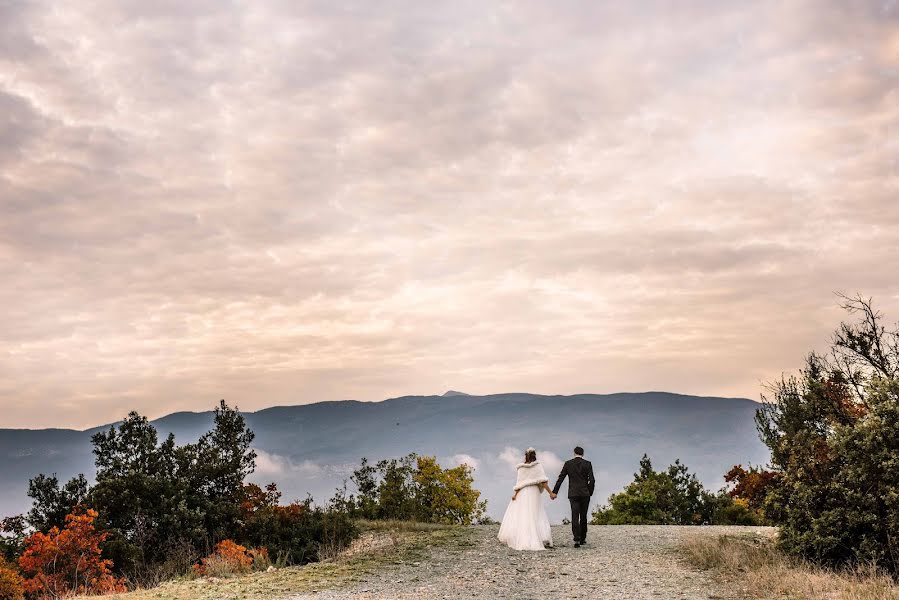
289 202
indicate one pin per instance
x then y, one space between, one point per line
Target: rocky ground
627 562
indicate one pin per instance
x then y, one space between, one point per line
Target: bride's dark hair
530 456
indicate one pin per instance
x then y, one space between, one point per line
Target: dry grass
377 548
399 526
761 571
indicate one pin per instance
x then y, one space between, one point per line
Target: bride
525 524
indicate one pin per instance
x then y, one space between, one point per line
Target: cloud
465 459
552 464
270 465
511 456
279 203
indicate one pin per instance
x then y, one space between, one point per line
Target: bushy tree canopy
414 488
834 439
51 502
12 537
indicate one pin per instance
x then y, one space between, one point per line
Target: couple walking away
525 525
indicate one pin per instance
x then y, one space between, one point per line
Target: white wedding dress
525 525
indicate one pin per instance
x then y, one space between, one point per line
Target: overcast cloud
288 202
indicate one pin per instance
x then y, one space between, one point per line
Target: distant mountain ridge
312 448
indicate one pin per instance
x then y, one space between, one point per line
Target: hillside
312 448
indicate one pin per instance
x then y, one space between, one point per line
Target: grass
381 545
402 526
761 571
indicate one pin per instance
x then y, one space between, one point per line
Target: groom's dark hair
578 450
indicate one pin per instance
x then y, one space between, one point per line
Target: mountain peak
449 393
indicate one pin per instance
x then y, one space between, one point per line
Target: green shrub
672 497
299 532
726 510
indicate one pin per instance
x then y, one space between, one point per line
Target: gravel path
627 562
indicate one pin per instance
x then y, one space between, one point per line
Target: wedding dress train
525 525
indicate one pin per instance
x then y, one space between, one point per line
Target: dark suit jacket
580 478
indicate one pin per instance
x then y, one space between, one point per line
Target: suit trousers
579 507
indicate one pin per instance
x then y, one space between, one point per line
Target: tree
69 561
366 480
862 353
153 496
446 495
413 488
130 448
157 506
687 499
11 587
256 499
52 503
224 459
751 486
396 490
670 497
143 496
12 540
834 448
225 454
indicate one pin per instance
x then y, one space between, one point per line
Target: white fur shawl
530 474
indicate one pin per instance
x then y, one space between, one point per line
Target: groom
580 487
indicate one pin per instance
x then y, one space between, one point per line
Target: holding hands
545 486
552 495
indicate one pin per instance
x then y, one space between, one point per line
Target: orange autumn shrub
230 558
68 562
10 582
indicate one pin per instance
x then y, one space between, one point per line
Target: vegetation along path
630 562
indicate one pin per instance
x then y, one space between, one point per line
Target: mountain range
313 448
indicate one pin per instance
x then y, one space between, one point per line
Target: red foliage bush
230 558
750 485
68 562
254 499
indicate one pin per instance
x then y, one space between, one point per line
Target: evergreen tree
142 496
224 459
